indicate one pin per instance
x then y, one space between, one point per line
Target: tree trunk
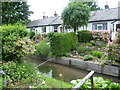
74 29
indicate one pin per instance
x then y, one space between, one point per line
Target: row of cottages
106 19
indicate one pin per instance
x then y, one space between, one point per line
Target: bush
84 36
26 75
16 74
14 43
82 50
101 35
98 54
88 57
114 52
60 43
42 49
31 34
74 40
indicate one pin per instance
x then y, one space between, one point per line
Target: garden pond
62 72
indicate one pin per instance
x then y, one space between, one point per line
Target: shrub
98 54
82 50
42 49
14 43
31 34
88 57
84 36
101 35
74 40
114 52
60 43
26 75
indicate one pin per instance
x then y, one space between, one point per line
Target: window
99 26
43 29
105 26
55 28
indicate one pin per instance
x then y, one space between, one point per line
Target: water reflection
68 73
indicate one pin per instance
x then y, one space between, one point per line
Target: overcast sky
50 6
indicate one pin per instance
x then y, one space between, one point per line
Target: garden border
87 65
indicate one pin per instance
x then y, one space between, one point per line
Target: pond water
68 73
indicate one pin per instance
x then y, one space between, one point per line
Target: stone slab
110 70
94 67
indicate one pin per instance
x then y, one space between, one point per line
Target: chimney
106 7
44 15
55 14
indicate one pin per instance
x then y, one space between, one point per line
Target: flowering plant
101 35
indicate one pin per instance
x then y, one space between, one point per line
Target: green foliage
31 34
42 49
60 43
24 75
99 82
13 12
83 50
14 43
114 52
89 44
76 14
93 6
88 57
84 36
98 54
74 40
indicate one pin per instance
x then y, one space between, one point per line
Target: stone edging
86 65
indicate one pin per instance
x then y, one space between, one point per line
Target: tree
93 6
75 15
13 12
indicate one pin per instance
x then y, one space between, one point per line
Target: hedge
61 43
84 36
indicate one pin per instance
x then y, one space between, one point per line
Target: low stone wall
86 65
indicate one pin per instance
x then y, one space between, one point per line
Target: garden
86 45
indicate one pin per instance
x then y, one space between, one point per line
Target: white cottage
106 19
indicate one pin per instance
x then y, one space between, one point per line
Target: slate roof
45 22
105 14
95 16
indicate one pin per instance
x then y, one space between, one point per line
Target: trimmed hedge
84 36
61 43
74 40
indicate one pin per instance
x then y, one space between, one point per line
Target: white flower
43 82
23 66
60 75
30 86
73 81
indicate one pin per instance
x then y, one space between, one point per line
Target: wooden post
92 82
90 75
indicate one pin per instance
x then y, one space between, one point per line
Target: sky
50 6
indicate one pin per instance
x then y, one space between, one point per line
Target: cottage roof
95 16
105 14
44 22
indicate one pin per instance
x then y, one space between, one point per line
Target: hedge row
61 43
84 36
